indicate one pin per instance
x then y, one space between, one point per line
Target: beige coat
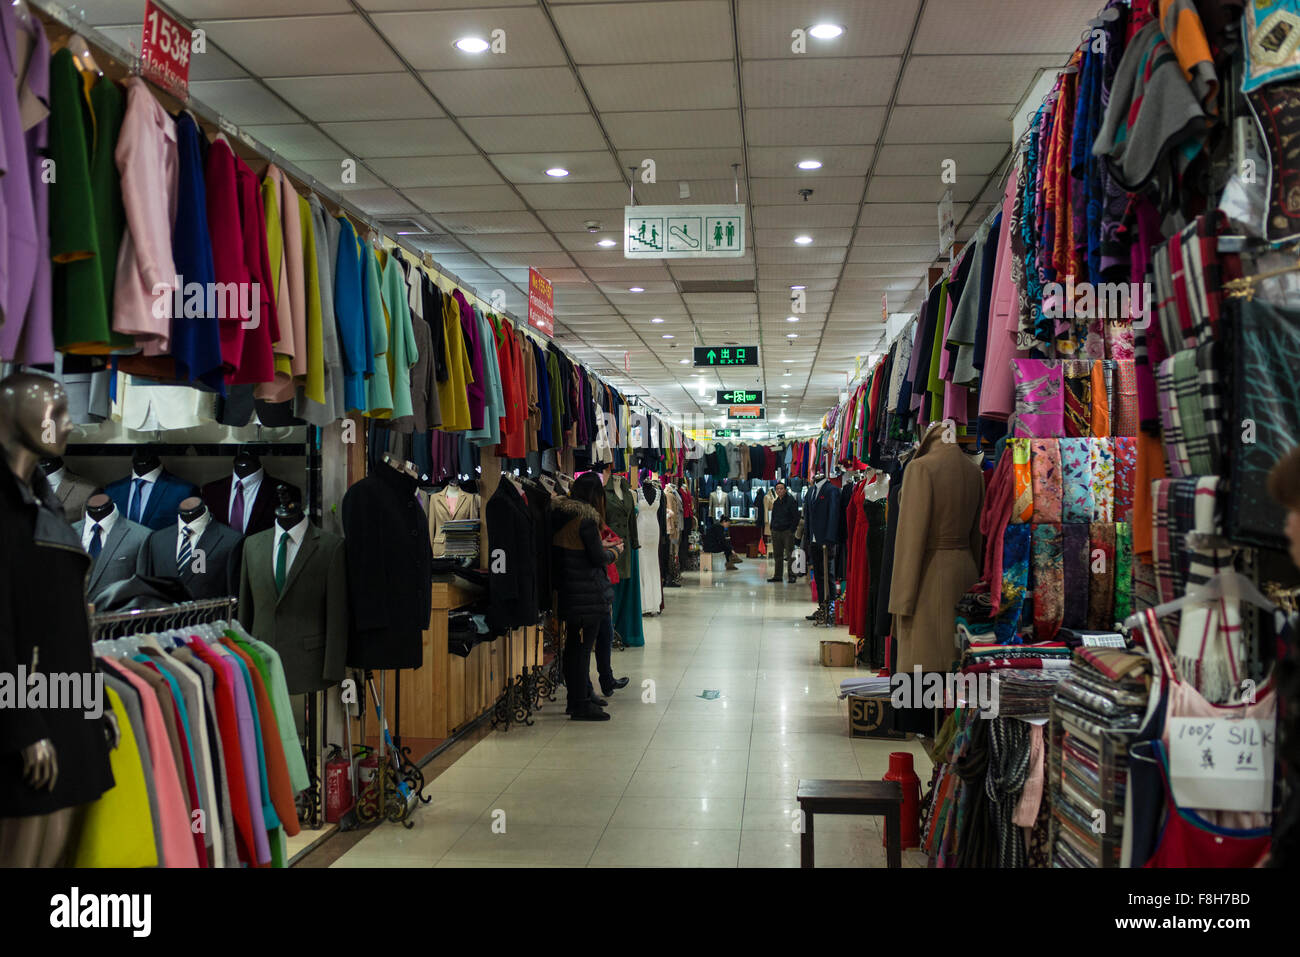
936 553
443 508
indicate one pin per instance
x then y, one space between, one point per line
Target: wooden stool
874 798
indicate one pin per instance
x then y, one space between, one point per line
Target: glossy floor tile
677 777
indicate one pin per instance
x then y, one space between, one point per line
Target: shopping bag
762 546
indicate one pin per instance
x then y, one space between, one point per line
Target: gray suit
308 623
117 560
220 546
74 491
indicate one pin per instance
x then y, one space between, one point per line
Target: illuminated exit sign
740 397
746 412
726 355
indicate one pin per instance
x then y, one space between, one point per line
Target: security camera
592 226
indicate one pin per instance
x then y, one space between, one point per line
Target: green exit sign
726 433
726 356
741 397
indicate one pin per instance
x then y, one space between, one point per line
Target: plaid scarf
1171 421
1160 542
1191 413
1212 405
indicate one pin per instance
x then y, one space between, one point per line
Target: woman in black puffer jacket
585 592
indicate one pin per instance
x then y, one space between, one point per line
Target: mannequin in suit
305 616
200 552
151 495
72 490
115 551
246 501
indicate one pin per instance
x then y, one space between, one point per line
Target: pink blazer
998 390
146 160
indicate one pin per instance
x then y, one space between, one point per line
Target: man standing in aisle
785 518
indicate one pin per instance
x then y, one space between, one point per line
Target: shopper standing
585 593
784 520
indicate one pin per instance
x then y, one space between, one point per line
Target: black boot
608 688
589 712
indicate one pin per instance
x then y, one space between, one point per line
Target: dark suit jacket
822 515
308 623
220 546
73 493
216 495
164 499
118 559
512 560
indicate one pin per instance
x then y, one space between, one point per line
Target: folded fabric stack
1024 692
462 537
1096 709
1046 656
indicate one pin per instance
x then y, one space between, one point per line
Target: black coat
43 628
390 571
580 560
785 513
539 505
717 539
512 560
822 515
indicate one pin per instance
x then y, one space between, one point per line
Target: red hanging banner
541 303
165 50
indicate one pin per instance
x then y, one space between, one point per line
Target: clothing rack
169 616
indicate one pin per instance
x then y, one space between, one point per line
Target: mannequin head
192 509
34 421
144 460
288 512
98 507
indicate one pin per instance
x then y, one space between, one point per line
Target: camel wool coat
937 551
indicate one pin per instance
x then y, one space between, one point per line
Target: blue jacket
822 515
349 311
196 340
164 502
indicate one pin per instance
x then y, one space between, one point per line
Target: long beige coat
936 552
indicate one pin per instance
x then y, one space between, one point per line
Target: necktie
137 496
281 562
183 558
237 506
96 544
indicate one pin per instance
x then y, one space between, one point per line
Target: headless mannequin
648 490
245 464
51 464
289 512
192 509
144 461
34 424
99 507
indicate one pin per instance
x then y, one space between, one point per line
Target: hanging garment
1123 570
1022 466
1076 480
1102 465
1078 396
1049 584
1076 553
647 530
1040 409
1017 546
1047 490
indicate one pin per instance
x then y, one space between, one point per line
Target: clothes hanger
1225 586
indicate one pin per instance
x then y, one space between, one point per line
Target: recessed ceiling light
787 373
635 289
803 240
787 360
472 44
683 361
557 171
791 318
656 319
799 287
792 335
670 337
826 31
607 242
809 164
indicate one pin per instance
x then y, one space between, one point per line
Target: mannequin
72 490
54 759
718 504
116 554
450 504
200 552
647 530
151 495
246 500
305 618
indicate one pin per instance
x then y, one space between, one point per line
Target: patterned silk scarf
1102 458
1123 570
1103 387
1022 510
1124 410
1049 582
1101 586
1040 408
1125 453
1076 559
1078 396
1015 582
1076 480
1046 465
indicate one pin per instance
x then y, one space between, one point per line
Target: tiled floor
674 779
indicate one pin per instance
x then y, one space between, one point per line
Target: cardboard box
838 654
872 718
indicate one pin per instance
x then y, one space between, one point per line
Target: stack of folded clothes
1024 693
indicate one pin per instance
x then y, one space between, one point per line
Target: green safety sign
740 397
683 232
726 355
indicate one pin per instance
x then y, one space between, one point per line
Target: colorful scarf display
1075 551
1040 406
1124 410
1123 570
1119 341
1076 480
1102 458
1015 582
1171 420
1078 396
1022 510
1049 582
1046 466
1101 584
1125 453
1103 388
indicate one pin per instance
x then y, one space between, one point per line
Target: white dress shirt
250 487
105 527
55 478
149 478
196 527
296 535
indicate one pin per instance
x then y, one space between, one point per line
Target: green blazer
620 515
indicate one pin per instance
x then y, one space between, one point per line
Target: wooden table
876 798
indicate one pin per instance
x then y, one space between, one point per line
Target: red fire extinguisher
338 786
901 770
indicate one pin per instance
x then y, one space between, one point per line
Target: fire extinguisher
901 770
367 770
338 786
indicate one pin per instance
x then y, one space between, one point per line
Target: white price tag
1222 764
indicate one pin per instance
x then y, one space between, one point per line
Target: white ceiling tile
673 129
415 171
297 142
896 235
922 189
522 134
773 219
784 238
800 273
686 272
584 242
381 5
227 9
243 102
784 191
513 92
666 192
885 271
293 46
461 199
380 202
799 254
950 124
837 161
508 261
472 223
575 220
1003 26
806 83
329 173
426 39
904 214
609 32
982 78
770 284
209 65
572 195
662 86
353 96
871 27
688 164
512 243
595 166
973 159
831 126
894 254
400 138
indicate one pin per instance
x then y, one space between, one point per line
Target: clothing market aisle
675 778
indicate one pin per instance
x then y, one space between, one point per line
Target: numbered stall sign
165 50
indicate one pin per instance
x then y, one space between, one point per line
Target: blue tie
137 497
96 545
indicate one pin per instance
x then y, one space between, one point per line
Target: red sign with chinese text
165 50
541 303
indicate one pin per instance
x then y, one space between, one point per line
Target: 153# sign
165 50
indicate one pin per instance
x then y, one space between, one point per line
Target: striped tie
183 558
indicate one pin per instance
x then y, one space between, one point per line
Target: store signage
726 355
726 433
683 232
165 50
947 224
627 361
740 397
541 303
746 412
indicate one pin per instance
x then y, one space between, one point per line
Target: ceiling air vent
403 226
716 285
